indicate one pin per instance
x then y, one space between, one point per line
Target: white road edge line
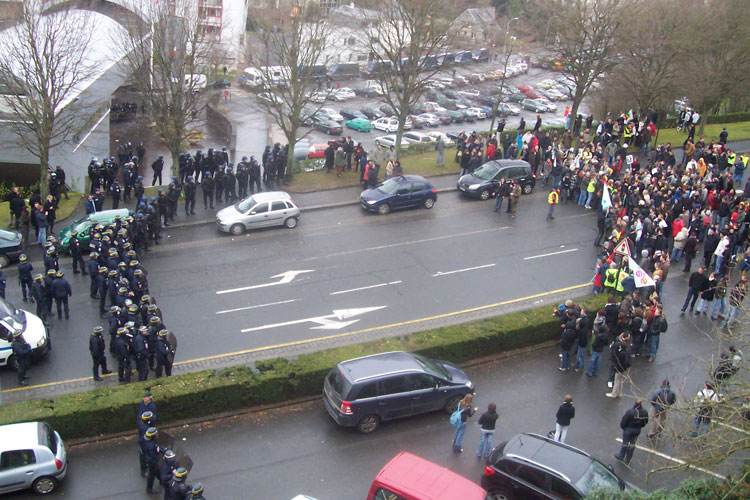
256 307
426 240
737 429
679 461
365 287
549 254
441 273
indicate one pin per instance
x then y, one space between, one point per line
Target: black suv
482 182
533 467
363 392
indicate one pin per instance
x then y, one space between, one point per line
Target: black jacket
487 420
634 419
96 346
698 281
565 413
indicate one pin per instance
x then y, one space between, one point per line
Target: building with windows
475 24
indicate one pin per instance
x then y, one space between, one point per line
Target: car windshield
245 205
432 367
486 172
7 235
596 477
8 313
389 187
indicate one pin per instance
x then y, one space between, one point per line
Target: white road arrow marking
326 322
441 273
550 254
286 277
365 287
256 307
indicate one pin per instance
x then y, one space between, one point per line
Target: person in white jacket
719 252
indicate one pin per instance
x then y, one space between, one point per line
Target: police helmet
73 234
160 190
59 274
112 273
150 433
114 309
189 177
96 237
168 454
23 257
172 184
122 290
223 148
105 238
197 489
122 330
139 178
143 330
94 159
112 251
50 251
180 473
138 272
132 308
199 151
102 270
145 298
163 332
152 199
244 158
126 246
130 253
17 334
160 157
47 244
121 264
51 272
94 255
134 263
38 277
98 329
174 177
129 325
154 319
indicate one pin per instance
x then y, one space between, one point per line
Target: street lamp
507 27
547 32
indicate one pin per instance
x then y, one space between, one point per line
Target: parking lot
531 79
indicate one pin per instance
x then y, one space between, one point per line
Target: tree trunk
291 140
43 164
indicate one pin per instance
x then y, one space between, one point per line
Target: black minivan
365 391
482 182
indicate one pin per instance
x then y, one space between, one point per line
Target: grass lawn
64 210
737 132
421 164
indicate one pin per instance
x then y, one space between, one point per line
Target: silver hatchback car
32 455
272 208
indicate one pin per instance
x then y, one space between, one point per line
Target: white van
251 78
34 333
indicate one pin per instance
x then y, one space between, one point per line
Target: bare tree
584 33
44 65
290 58
404 43
168 49
714 71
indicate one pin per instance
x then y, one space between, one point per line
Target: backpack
456 418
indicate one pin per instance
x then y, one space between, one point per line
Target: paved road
355 271
278 453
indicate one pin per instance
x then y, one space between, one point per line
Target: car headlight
372 202
474 187
41 342
470 384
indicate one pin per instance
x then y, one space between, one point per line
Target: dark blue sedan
406 191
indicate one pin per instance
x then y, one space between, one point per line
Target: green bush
728 118
111 409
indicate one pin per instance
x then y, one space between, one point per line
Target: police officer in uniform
96 348
140 348
190 189
157 166
228 183
49 278
50 259
76 253
207 185
115 191
197 492
254 176
243 175
24 275
167 466
61 290
146 420
177 488
122 353
152 451
22 353
38 295
163 350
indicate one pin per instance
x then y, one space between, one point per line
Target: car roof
271 195
416 477
16 436
380 364
561 458
108 214
508 163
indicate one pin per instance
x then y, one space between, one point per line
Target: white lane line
404 243
674 459
365 287
256 307
441 273
549 254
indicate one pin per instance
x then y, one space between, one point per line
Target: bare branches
45 62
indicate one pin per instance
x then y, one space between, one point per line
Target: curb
292 402
311 208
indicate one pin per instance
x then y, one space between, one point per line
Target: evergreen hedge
109 410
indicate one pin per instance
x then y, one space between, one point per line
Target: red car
525 88
317 151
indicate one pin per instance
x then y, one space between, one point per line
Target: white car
434 107
434 136
508 109
269 98
318 97
447 81
550 105
386 140
473 93
435 85
331 114
430 119
342 94
34 332
386 124
416 137
476 113
556 94
547 84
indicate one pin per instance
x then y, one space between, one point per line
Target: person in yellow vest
590 190
552 200
627 135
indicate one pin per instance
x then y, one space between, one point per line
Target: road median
108 410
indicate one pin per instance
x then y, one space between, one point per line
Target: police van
34 332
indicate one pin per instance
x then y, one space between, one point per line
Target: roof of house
484 15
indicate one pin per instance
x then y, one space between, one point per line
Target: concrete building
475 24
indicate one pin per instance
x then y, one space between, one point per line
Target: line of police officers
162 463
